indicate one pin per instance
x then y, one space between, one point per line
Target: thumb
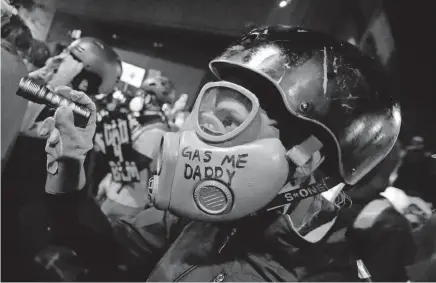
47 127
64 119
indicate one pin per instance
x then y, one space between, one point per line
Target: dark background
413 29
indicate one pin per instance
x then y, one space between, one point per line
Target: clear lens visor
224 110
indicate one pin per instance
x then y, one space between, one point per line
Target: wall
216 16
62 24
39 19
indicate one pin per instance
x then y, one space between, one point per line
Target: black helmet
102 66
330 85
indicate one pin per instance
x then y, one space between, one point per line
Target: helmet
321 84
101 64
161 87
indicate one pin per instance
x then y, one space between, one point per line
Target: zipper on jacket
226 241
219 278
363 272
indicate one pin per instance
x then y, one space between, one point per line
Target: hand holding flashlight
68 144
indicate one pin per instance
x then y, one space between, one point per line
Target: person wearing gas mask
148 122
258 169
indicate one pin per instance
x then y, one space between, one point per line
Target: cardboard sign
132 75
118 144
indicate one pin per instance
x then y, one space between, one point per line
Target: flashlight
34 91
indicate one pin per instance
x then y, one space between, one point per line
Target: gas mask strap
306 156
299 194
302 153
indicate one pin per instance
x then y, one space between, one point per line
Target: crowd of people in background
388 215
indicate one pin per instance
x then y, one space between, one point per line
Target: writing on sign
116 134
225 171
124 171
118 142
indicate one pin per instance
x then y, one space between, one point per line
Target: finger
51 88
64 119
54 138
47 126
64 91
76 96
52 165
81 98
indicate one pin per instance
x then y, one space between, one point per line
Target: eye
228 120
305 107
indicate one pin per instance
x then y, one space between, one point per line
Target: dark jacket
384 241
161 247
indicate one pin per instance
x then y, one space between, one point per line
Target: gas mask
227 161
